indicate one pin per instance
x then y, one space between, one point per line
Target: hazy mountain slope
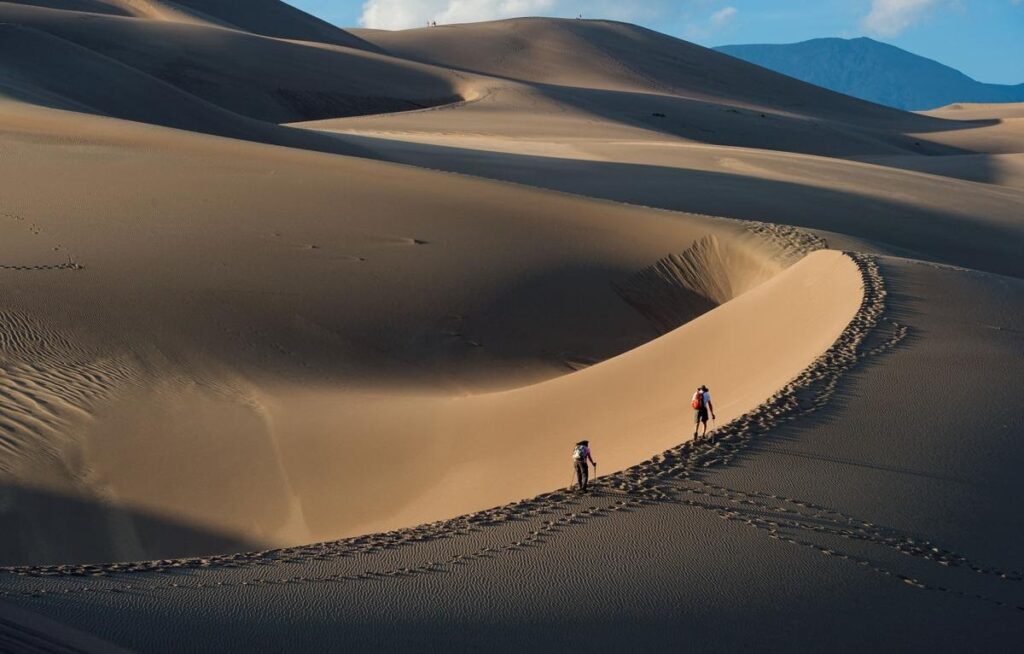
874 71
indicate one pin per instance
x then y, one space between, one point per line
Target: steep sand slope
254 76
266 17
46 70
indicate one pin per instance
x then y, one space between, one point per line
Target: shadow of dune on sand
43 528
800 129
907 229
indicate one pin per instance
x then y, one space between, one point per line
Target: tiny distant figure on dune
580 456
701 404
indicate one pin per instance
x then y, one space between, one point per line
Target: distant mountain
882 73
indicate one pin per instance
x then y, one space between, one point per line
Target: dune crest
216 396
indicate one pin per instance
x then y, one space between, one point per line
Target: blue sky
983 38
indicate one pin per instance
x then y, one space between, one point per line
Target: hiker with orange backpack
701 404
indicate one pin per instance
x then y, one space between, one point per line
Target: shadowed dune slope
266 17
619 56
254 76
885 209
1001 169
42 69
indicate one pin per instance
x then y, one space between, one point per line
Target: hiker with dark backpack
701 404
580 456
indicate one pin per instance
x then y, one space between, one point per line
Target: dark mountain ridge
874 71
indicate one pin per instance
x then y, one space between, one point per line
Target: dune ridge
117 376
709 273
867 334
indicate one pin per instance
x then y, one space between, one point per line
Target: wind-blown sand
219 334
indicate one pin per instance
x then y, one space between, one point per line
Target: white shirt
707 399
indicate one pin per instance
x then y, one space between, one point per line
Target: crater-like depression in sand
300 384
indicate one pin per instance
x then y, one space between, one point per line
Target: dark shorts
699 416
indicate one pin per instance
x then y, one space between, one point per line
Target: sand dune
247 329
615 56
258 77
1002 169
266 17
914 559
647 82
975 111
883 209
379 331
32 59
149 9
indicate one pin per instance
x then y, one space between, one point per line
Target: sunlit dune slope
974 111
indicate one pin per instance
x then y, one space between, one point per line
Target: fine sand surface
1004 140
266 283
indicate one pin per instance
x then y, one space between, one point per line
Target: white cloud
403 14
703 28
890 17
723 16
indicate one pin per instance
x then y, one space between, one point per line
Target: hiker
701 404
580 456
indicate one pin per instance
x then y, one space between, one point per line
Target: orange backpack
698 400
